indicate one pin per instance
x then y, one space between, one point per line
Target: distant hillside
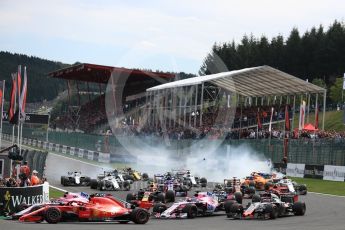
40 87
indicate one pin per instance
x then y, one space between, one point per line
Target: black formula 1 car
266 206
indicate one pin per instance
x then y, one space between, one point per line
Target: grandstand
229 101
88 113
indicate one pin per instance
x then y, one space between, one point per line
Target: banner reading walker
11 197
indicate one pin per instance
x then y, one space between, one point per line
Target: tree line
40 87
317 55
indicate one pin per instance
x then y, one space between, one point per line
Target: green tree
336 91
319 82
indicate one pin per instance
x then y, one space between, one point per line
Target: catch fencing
302 151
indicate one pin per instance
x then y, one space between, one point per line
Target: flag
22 99
1 93
316 116
301 116
12 107
259 119
287 120
19 81
270 125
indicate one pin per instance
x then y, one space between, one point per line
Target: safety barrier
324 172
64 149
11 197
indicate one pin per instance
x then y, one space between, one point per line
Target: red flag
19 81
259 119
12 108
316 117
287 119
22 99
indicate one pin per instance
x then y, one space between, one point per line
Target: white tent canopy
255 82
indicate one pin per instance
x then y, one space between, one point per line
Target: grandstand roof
100 73
256 81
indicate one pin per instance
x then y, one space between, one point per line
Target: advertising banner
295 170
335 173
11 197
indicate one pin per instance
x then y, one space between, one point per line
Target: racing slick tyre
256 198
236 210
160 198
140 216
52 215
203 182
302 189
159 208
299 208
145 177
251 191
93 184
170 196
64 181
126 186
238 197
191 211
227 207
188 184
130 197
268 185
272 211
87 181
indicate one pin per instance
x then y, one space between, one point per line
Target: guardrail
64 149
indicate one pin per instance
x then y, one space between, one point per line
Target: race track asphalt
323 212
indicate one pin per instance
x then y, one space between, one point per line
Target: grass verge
322 186
54 193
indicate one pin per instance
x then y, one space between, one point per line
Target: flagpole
15 104
2 110
19 106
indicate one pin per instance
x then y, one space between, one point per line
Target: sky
159 35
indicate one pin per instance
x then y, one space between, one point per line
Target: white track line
60 189
325 194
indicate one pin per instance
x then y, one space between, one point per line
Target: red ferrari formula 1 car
99 208
24 209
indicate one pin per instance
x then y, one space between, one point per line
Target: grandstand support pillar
293 112
308 108
88 91
240 101
164 106
100 95
196 104
184 107
201 102
324 109
174 103
256 101
190 107
179 100
262 101
77 84
281 100
69 92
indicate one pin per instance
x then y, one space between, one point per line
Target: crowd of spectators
25 177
